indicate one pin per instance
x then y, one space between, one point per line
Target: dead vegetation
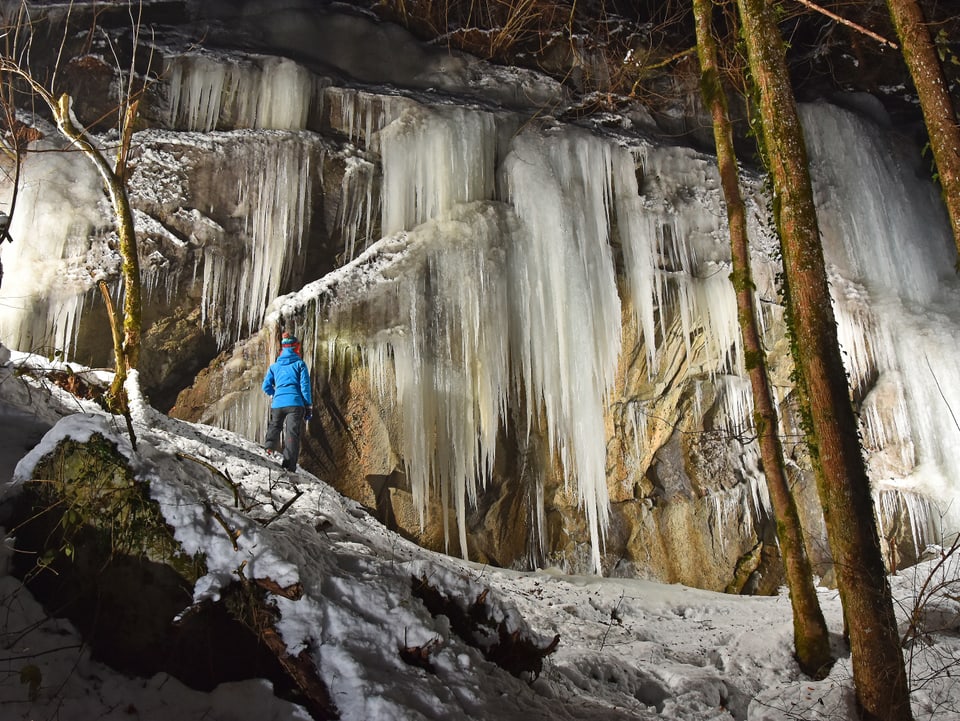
605 56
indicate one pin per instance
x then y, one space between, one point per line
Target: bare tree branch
848 23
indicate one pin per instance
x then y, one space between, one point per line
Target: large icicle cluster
274 199
449 358
564 302
897 300
441 332
521 306
209 92
62 214
434 161
577 195
59 251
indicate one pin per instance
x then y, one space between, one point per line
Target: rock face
520 330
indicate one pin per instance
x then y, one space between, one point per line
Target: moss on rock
87 492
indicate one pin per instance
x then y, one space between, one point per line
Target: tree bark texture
878 671
811 638
939 114
130 265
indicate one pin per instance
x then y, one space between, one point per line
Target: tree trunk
811 639
130 265
133 303
832 429
939 115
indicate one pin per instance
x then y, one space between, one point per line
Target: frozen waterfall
578 198
525 310
897 298
517 251
60 231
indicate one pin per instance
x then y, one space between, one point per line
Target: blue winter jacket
288 381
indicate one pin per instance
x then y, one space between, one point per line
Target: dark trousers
288 421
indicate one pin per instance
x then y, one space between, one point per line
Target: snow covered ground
627 649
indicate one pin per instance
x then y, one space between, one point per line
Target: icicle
758 490
640 252
355 211
207 91
434 160
58 254
537 518
894 503
275 196
719 514
891 246
197 86
565 303
441 352
896 296
637 424
361 115
734 405
277 97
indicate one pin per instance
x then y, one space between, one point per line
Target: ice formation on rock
897 297
274 198
576 195
503 290
208 92
59 251
551 300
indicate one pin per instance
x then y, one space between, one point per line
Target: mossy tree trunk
113 181
939 114
878 672
811 638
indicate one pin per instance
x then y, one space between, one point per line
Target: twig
666 61
940 390
613 617
282 510
294 592
912 630
848 23
38 654
217 471
662 64
232 533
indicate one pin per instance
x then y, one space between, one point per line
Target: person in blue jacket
288 382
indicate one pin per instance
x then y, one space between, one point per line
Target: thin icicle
360 115
355 211
892 504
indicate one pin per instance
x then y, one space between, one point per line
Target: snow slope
627 649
